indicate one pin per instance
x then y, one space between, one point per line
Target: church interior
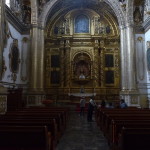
53 52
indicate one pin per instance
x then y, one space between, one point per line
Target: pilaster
2 34
96 64
3 100
62 61
67 64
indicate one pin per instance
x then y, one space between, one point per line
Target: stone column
37 52
129 89
2 34
124 62
131 58
34 46
41 61
3 41
37 59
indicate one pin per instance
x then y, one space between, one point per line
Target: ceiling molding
16 23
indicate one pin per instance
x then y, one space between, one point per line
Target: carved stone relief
3 104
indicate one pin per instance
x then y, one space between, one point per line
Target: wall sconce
123 4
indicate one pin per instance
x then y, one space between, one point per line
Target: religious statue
137 15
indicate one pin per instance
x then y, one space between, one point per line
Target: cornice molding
146 24
16 23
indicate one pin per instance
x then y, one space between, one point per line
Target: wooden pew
39 116
65 110
44 115
51 126
54 120
107 120
62 114
100 111
24 137
134 139
111 130
117 126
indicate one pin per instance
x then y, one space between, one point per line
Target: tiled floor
82 135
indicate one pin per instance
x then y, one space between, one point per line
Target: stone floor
82 135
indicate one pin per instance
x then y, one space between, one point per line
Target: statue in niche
108 30
137 15
97 22
82 24
56 30
41 4
67 26
82 69
101 28
26 15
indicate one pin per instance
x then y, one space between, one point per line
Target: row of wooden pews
34 128
125 129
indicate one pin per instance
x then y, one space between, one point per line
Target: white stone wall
147 45
24 49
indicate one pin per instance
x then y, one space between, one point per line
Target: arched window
7 2
81 24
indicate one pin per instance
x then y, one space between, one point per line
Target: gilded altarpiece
82 55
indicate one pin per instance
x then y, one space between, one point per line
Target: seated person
123 104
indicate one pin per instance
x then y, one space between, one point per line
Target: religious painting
148 59
81 24
55 77
55 61
14 58
109 60
109 77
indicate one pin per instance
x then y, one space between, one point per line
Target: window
81 24
7 2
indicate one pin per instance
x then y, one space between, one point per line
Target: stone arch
112 3
129 20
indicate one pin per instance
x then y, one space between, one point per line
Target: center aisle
82 135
